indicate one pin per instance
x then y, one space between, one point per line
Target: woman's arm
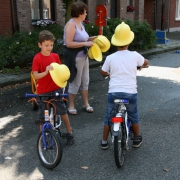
92 38
70 32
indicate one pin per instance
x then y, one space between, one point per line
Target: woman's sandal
88 109
72 111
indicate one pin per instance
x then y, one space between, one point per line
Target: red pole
100 30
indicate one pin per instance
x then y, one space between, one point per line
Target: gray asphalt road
157 158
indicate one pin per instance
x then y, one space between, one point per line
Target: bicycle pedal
64 135
127 148
57 132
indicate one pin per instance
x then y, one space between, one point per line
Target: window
42 9
177 9
129 2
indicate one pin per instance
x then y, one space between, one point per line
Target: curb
6 80
159 50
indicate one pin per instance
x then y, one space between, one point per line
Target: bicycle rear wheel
118 148
52 155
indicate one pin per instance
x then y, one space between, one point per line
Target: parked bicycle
49 147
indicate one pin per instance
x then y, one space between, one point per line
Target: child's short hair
45 36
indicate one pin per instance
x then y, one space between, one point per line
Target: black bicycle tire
118 149
59 149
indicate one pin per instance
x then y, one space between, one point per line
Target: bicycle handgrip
30 95
61 95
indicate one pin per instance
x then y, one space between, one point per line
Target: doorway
113 8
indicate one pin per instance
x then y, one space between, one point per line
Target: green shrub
144 39
19 49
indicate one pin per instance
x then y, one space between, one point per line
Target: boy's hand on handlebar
143 66
106 75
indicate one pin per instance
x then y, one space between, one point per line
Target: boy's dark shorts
59 104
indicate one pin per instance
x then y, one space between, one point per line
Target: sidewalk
172 45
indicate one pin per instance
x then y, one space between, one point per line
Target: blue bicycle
49 146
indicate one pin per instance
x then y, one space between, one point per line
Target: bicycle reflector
117 119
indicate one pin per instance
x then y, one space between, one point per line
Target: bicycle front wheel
50 156
118 149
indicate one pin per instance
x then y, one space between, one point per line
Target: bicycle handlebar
55 95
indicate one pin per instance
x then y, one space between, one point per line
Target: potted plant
130 8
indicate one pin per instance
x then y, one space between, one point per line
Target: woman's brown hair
78 8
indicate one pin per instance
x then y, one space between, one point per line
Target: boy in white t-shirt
121 67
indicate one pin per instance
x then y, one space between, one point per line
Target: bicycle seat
124 101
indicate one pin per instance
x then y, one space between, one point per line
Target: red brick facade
6 17
17 16
161 15
149 13
174 25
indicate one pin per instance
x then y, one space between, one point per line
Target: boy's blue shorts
132 110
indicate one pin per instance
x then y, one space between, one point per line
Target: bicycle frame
45 126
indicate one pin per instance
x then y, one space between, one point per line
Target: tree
67 7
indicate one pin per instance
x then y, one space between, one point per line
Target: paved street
157 158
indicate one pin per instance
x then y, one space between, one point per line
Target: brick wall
123 14
59 12
174 25
24 15
6 17
139 10
149 13
162 20
92 8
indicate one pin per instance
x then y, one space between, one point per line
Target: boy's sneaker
70 139
137 141
104 146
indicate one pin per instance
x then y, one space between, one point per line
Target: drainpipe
162 16
155 15
17 15
169 14
12 16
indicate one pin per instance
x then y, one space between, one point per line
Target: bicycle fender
116 126
115 133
